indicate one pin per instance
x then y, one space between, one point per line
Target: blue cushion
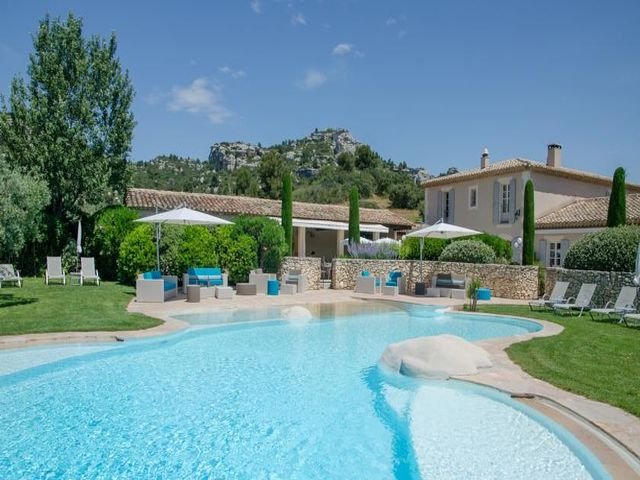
204 271
169 284
154 275
365 273
273 287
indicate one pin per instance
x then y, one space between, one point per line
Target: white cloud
342 49
390 21
298 19
402 34
226 70
199 98
313 79
256 6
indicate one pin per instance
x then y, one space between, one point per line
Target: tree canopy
70 122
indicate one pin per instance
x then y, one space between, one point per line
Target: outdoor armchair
260 280
153 287
396 279
449 280
296 277
556 296
54 270
581 303
367 283
88 270
8 274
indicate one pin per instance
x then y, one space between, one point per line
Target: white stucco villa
568 203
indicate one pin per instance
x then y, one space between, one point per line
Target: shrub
70 256
110 226
433 247
237 254
137 254
382 251
269 237
613 249
500 246
468 251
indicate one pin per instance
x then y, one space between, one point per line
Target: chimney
554 155
484 159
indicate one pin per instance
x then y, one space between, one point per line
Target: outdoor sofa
8 274
206 277
449 280
153 287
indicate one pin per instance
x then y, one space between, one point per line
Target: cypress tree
287 211
617 214
528 225
354 216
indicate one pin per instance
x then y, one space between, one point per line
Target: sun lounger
630 318
54 270
8 274
556 296
88 271
624 304
582 301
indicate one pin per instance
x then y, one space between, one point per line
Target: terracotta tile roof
232 205
519 164
588 212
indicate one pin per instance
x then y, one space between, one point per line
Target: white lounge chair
88 270
623 304
556 296
8 274
581 303
369 284
54 270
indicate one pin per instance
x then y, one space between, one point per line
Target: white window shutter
542 252
564 248
512 200
496 203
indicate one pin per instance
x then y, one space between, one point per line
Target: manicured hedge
468 251
609 250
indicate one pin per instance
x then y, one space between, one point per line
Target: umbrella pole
158 245
421 249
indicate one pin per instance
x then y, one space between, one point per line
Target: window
473 197
555 254
505 207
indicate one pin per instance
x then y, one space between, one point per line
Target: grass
597 359
37 308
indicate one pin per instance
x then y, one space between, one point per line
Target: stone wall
311 267
506 281
609 283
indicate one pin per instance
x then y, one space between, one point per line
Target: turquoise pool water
236 399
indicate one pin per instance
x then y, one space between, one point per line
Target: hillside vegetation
324 164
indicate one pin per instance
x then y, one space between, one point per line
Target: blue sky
429 82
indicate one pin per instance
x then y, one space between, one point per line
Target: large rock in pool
440 356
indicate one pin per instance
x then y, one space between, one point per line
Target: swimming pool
248 395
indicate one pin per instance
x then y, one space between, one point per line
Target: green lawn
600 360
37 308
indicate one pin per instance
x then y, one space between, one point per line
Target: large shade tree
70 123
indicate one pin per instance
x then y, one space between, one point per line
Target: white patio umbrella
79 245
362 240
180 216
387 240
441 230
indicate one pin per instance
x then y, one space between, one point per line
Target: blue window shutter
564 248
512 200
452 204
496 203
542 252
440 205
